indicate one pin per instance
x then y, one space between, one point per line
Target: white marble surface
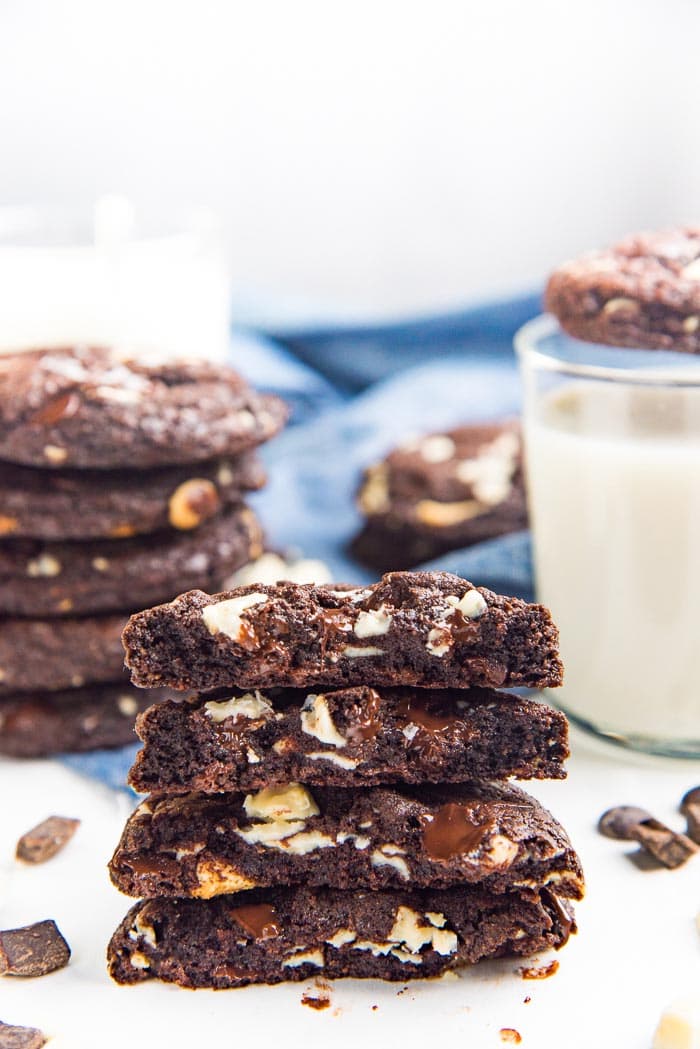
637 947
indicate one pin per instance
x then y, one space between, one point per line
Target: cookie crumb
510 1035
540 972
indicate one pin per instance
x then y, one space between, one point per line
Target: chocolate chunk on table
205 845
430 629
629 823
12 1037
293 934
33 950
46 839
350 737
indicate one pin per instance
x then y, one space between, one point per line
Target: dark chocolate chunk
629 823
104 504
441 492
643 292
207 844
430 629
33 950
397 935
12 1037
106 575
690 807
351 737
621 822
89 407
46 839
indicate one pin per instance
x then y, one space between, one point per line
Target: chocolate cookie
89 407
104 575
351 738
430 629
283 934
441 492
205 845
102 504
60 653
643 292
35 724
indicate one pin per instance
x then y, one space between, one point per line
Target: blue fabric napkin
354 394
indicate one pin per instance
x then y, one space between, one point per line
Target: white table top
637 947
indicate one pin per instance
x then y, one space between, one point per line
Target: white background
367 158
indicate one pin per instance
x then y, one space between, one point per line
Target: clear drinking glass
101 277
612 440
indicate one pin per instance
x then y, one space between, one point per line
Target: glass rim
685 370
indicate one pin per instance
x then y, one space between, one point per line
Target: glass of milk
101 277
612 441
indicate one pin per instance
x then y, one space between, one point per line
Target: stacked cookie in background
340 806
441 492
120 483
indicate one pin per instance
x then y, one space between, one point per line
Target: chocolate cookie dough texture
339 806
120 485
441 492
643 292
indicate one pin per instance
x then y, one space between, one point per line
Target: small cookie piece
293 934
90 407
36 724
204 845
33 950
105 575
430 629
679 1025
643 292
44 841
111 504
441 492
57 654
12 1037
353 737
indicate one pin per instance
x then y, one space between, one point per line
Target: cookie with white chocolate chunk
205 845
116 504
349 737
441 492
430 629
272 935
643 292
91 407
105 575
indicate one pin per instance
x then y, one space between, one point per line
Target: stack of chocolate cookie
119 484
441 492
341 808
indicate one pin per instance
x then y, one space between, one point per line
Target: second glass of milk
612 441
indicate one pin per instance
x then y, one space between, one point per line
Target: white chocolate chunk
380 858
341 937
472 605
269 833
304 957
253 758
442 515
303 843
335 759
437 449
679 1026
316 721
271 568
357 653
373 623
44 565
692 270
225 616
290 801
127 706
252 705
691 323
139 960
410 931
620 303
439 641
374 494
